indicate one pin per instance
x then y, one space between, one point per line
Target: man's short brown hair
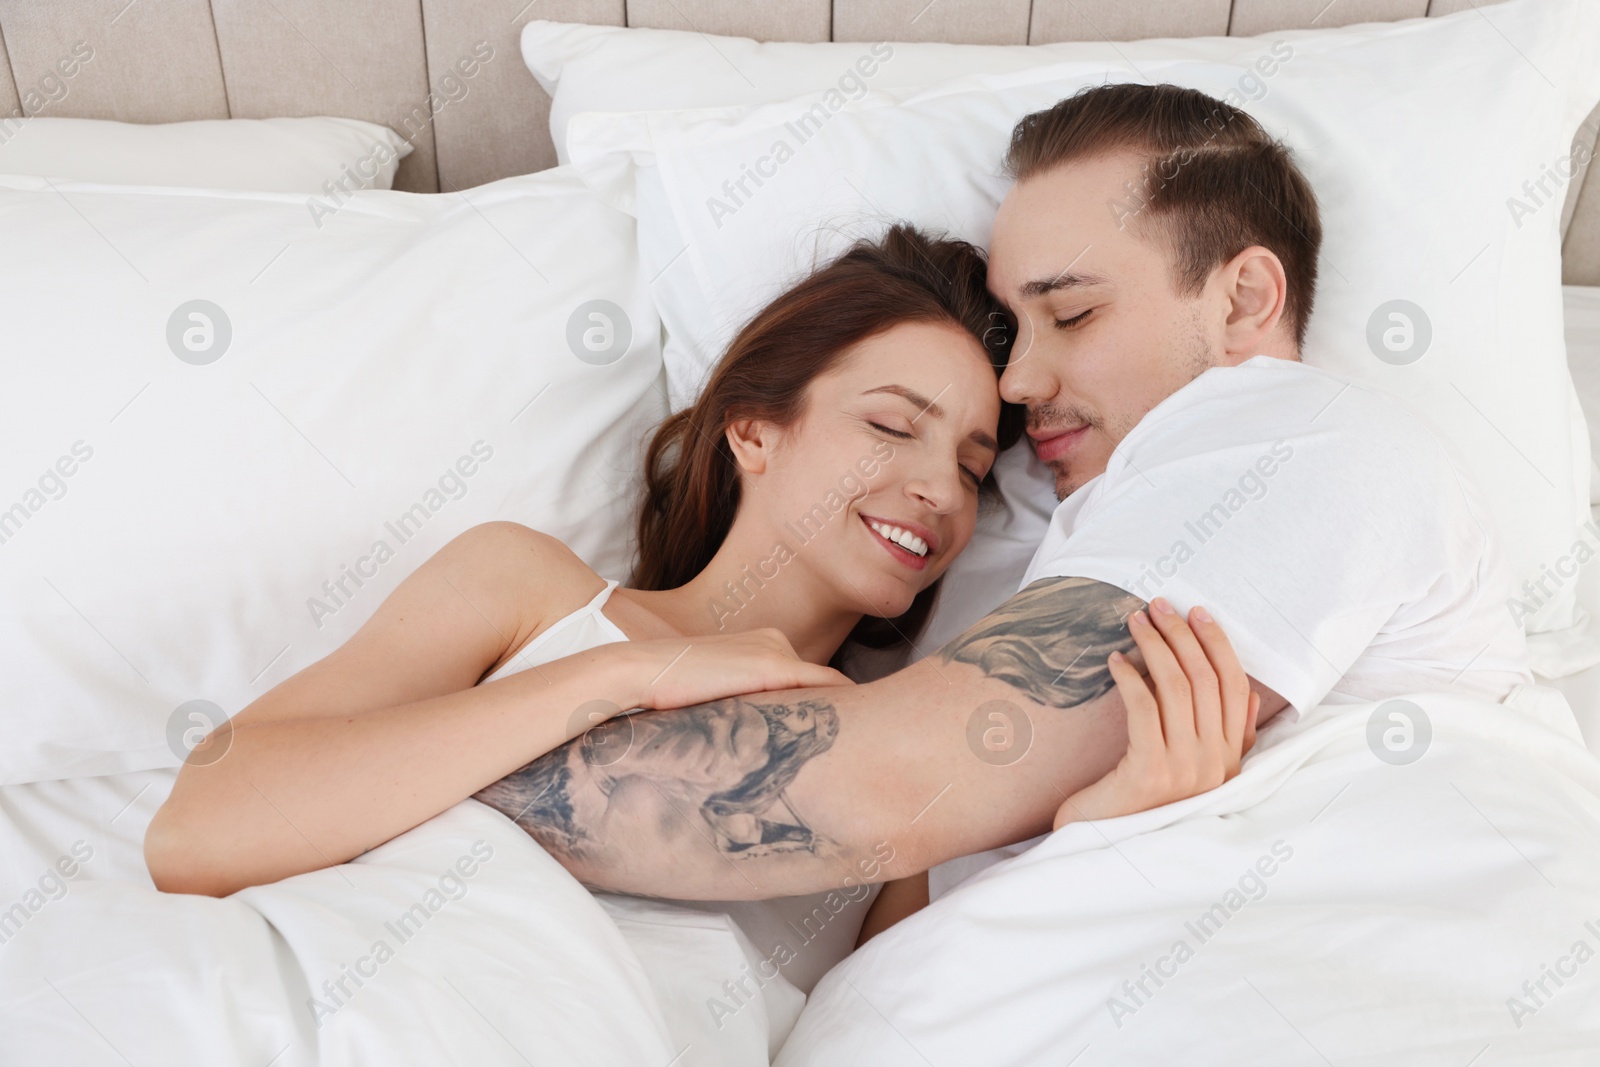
1214 182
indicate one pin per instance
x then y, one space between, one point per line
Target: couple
1155 358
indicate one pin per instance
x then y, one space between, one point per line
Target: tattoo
725 764
759 791
539 794
1051 640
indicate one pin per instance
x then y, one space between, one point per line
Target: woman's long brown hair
692 486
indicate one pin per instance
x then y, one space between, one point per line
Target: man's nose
1025 382
1026 379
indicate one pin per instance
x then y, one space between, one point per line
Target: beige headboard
170 60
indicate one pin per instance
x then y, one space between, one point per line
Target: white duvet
1324 907
460 941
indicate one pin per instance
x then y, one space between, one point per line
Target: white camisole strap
579 631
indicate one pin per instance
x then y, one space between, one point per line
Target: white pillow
734 205
612 68
414 367
301 155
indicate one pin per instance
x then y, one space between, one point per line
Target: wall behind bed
172 60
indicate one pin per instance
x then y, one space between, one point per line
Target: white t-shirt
1330 531
1325 525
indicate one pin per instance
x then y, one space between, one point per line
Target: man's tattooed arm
724 767
1051 640
781 793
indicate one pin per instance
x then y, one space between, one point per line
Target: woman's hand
679 671
1190 734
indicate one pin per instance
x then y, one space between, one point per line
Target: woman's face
875 488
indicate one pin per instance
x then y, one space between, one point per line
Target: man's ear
752 442
1256 288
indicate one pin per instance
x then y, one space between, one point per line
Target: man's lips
1053 444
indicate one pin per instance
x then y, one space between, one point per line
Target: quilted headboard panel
169 60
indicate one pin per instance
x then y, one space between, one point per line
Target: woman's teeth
904 538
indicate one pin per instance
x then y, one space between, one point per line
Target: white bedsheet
41 821
1582 689
1368 914
505 958
1440 866
1416 901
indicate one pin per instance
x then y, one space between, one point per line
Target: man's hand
1188 736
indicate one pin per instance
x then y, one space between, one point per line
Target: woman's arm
388 730
393 728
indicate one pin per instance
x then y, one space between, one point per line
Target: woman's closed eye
977 479
902 434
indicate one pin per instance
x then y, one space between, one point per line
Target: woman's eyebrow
930 407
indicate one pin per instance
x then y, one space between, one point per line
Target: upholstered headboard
170 60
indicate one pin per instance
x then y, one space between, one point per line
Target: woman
815 493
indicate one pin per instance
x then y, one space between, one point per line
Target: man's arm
798 791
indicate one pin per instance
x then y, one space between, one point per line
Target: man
1159 252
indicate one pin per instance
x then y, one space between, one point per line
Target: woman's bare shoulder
462 613
536 579
549 578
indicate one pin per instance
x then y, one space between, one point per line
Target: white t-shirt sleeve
1302 511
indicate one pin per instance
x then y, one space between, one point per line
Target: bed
495 247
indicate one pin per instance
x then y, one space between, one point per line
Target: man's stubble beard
1197 358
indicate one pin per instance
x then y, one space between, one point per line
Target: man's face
1103 334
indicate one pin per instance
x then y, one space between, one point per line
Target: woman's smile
876 529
